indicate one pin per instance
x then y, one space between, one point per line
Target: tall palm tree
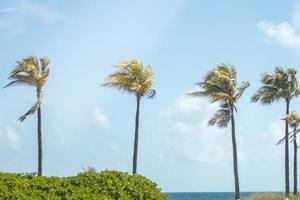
294 121
220 85
132 77
31 72
279 85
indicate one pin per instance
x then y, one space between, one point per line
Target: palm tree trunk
295 163
39 129
136 135
235 157
287 170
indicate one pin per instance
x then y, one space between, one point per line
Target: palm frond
17 82
133 78
31 111
221 118
150 93
241 89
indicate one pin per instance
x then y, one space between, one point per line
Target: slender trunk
39 129
287 170
235 157
295 163
136 135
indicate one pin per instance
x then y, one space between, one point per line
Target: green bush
270 197
107 185
265 197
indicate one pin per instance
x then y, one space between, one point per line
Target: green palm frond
220 85
221 118
294 121
281 84
241 89
131 77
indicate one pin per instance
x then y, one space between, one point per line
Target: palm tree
131 77
279 85
220 85
294 121
31 72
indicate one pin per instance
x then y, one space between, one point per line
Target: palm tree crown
278 85
220 85
133 78
294 119
30 72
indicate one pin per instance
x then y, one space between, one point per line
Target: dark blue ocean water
205 195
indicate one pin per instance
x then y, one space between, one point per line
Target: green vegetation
131 77
270 197
107 185
220 85
31 72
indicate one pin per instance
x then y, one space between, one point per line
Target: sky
86 125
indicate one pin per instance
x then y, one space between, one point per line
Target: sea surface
205 195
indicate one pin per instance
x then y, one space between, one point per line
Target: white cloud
283 33
275 131
101 118
10 138
190 138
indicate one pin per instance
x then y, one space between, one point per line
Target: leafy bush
265 197
107 185
271 197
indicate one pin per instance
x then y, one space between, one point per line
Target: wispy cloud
190 138
283 33
101 118
275 131
41 12
10 138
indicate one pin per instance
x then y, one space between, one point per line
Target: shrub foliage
107 185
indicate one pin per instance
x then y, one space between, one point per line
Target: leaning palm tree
31 72
279 85
294 121
131 77
220 85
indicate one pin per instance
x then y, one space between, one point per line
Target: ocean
205 195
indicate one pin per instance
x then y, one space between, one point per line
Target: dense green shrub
107 185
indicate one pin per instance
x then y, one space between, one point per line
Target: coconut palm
294 121
220 85
132 77
31 72
279 85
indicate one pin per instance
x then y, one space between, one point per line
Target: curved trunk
295 163
235 157
39 129
136 135
287 170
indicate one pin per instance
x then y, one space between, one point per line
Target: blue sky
87 125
